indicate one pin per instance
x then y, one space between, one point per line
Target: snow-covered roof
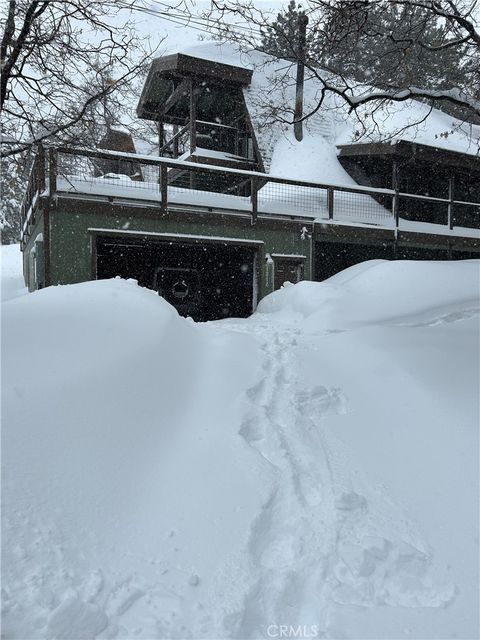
271 98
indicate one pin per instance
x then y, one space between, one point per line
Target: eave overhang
405 151
181 65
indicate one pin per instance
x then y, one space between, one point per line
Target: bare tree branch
350 39
52 53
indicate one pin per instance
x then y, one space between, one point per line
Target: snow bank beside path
377 291
126 487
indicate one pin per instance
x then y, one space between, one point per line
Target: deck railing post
163 188
254 200
451 186
52 170
395 209
395 201
193 117
41 168
330 202
161 136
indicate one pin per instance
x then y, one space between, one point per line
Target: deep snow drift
12 283
314 466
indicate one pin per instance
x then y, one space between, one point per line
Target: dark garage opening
206 281
332 257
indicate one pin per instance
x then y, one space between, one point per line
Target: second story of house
217 105
225 142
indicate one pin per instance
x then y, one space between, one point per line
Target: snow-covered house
231 206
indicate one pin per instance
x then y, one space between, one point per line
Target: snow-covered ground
309 472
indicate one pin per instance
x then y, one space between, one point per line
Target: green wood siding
70 239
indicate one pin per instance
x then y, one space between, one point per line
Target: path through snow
317 542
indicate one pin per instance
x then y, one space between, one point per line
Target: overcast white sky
175 36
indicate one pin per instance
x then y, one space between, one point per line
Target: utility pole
302 41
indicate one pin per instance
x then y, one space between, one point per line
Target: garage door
207 281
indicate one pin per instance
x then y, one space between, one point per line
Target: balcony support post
451 188
161 136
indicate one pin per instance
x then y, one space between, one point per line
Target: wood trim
413 239
52 170
193 116
189 213
254 200
161 136
368 149
289 256
183 238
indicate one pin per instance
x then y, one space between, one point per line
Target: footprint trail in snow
318 542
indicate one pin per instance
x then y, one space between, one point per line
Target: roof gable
270 98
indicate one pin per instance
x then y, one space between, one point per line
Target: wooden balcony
169 184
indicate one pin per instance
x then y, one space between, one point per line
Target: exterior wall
28 251
71 251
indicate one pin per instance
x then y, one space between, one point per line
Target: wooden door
287 270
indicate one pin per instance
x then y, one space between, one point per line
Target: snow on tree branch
374 51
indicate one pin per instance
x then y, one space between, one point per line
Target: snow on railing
169 183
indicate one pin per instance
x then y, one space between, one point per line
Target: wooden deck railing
206 135
169 181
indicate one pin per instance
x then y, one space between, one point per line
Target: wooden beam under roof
182 90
